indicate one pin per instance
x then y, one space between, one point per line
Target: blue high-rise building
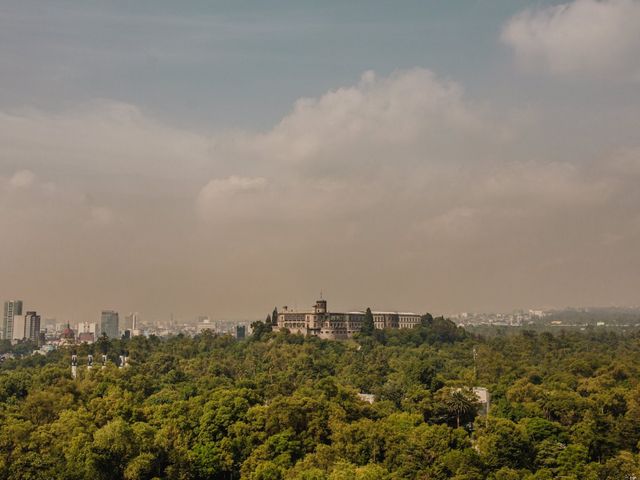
110 324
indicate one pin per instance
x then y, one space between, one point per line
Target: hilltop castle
339 325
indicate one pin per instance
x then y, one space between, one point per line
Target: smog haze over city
226 157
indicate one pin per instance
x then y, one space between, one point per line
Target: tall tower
320 307
19 332
109 324
11 308
32 326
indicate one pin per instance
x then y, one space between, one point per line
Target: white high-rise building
204 323
131 321
87 327
18 328
11 309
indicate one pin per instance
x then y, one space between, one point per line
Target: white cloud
227 196
379 117
100 216
233 184
592 37
400 180
100 138
22 179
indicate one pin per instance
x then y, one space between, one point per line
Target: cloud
396 191
100 216
380 116
344 154
411 142
584 37
22 179
103 137
408 170
231 185
224 195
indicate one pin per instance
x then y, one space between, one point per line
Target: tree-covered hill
280 406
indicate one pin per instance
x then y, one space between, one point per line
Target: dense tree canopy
281 406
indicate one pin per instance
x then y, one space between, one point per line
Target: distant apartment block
204 323
26 327
18 329
32 326
241 332
87 332
109 324
11 309
322 323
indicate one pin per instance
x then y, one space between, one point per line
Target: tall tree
426 319
368 325
461 403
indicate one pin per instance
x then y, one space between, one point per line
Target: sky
223 157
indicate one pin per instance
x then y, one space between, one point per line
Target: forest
282 406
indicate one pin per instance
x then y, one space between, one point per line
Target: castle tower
320 307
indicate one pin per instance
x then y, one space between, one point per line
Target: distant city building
86 337
131 321
87 332
204 323
18 328
68 336
110 324
50 327
11 309
336 325
32 326
87 327
241 332
484 399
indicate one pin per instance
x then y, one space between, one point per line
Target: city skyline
180 318
222 158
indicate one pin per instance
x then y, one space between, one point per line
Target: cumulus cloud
224 195
100 216
357 148
22 179
231 185
397 191
378 116
407 170
592 37
108 138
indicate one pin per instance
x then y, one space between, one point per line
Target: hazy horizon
222 159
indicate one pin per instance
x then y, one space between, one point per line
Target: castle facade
320 322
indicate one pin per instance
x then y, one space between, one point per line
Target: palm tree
461 403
